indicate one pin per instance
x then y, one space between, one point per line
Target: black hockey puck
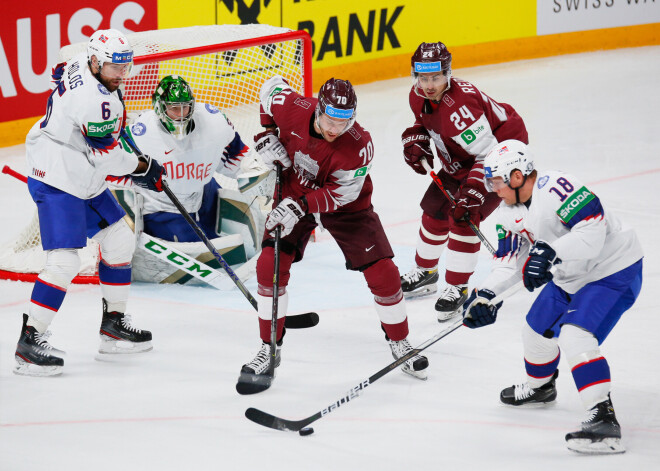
306 431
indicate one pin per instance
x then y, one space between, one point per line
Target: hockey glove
416 146
271 149
285 215
477 310
536 271
467 207
152 177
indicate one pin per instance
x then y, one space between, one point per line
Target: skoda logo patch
103 90
138 129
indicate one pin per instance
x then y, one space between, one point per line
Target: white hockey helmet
110 46
504 158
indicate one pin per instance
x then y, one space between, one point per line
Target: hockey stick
276 277
452 200
268 420
299 321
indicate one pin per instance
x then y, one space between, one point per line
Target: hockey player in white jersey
551 219
192 141
70 153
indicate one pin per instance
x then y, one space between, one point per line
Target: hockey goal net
225 66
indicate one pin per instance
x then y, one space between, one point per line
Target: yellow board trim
14 132
499 51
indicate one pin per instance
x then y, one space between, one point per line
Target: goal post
225 66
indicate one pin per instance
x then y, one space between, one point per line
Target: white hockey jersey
74 147
590 241
212 146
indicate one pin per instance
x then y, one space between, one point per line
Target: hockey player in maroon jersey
464 124
326 158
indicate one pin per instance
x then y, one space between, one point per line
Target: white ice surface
175 408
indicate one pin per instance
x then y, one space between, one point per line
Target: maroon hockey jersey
333 176
464 126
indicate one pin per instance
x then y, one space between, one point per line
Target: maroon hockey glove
417 146
467 205
271 150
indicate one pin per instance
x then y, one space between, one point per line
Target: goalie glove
285 215
416 146
271 150
152 177
477 310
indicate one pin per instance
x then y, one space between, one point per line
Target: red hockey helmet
337 100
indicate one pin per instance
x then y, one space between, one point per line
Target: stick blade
267 420
253 384
302 321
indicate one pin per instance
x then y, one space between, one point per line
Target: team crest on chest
138 129
306 167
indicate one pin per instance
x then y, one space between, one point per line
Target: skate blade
421 374
253 384
420 292
606 446
24 368
122 347
445 316
531 405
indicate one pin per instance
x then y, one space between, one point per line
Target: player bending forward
464 124
70 153
551 219
327 157
192 141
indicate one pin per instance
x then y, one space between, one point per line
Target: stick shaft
451 198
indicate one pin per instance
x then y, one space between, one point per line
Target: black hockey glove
416 146
152 177
477 310
536 271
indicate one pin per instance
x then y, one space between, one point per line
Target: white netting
229 79
24 254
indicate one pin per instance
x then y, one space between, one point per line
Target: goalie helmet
504 158
110 46
337 100
174 104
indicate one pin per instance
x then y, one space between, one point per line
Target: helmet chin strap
517 189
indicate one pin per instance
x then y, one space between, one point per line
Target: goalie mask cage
225 66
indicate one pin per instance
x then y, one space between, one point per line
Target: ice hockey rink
175 408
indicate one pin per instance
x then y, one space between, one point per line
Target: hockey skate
450 302
416 366
34 355
524 395
119 336
419 282
600 433
254 377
